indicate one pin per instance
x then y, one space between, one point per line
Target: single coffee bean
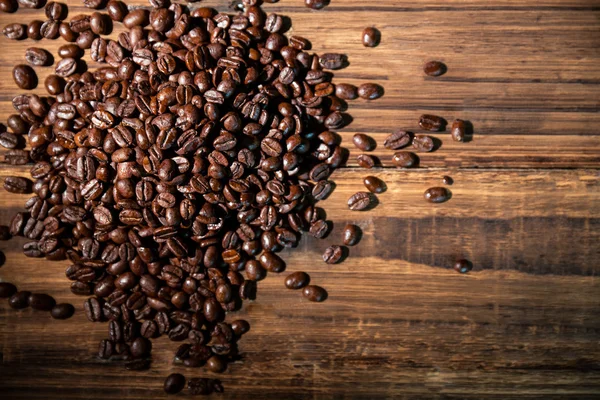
351 235
31 3
365 161
174 383
50 29
4 233
437 195
70 51
463 266
24 76
62 311
423 143
333 61
17 124
371 37
66 67
333 254
65 32
203 386
9 140
137 17
434 68
41 302
314 293
19 300
319 229
216 364
446 180
34 30
16 184
14 31
370 91
374 184
54 84
459 130
346 91
99 23
398 140
105 349
297 280
117 10
140 347
359 201
8 6
85 39
363 142
432 123
95 4
37 56
56 11
7 289
405 159
316 4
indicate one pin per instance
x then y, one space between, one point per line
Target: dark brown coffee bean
54 84
346 91
96 4
16 184
62 311
65 32
99 23
423 143
405 159
463 266
335 120
319 229
105 349
397 140
370 91
117 10
351 235
93 309
174 383
38 57
434 68
70 51
56 11
17 124
31 3
14 31
8 6
371 37
7 289
374 184
314 293
50 29
446 180
316 4
24 76
322 190
359 201
333 254
365 161
19 300
459 130
66 67
437 195
41 302
333 61
363 142
8 140
271 262
432 123
297 280
137 17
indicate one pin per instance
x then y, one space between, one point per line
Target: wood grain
399 323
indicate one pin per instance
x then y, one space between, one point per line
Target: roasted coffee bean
38 57
297 280
8 6
24 76
240 327
62 311
174 383
459 130
93 309
397 140
54 84
446 180
363 142
66 67
437 195
16 184
346 91
374 184
370 91
96 4
7 289
137 17
100 24
65 32
8 140
203 386
333 61
322 190
423 143
41 302
432 123
32 3
105 349
371 37
316 4
351 235
34 30
463 266
17 124
4 233
333 254
70 51
314 293
19 300
117 10
56 11
365 161
140 347
50 29
14 31
359 201
85 39
405 159
434 68
319 229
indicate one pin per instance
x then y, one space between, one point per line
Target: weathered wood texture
398 322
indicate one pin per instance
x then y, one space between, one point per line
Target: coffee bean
117 10
333 61
14 31
359 201
397 140
17 124
100 24
314 293
203 386
54 84
70 51
434 68
24 76
105 349
34 30
351 235
446 180
316 4
370 91
62 311
16 184
463 266
333 254
371 37
56 11
174 383
66 67
41 302
423 143
374 184
459 130
297 280
32 3
365 161
437 195
96 4
8 140
319 229
405 159
8 6
140 347
432 123
7 289
65 32
19 300
363 142
38 57
50 29
93 309
346 91
137 17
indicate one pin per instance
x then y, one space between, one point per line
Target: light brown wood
399 323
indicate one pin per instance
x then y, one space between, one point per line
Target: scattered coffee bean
405 159
351 235
16 184
24 76
359 201
54 84
62 311
459 130
117 10
374 184
314 293
4 233
31 3
423 143
319 229
7 289
66 67
434 68
297 280
34 30
8 6
19 300
432 123
398 140
371 37
95 4
333 254
447 180
363 142
215 364
14 31
437 195
370 91
316 4
55 10
365 161
37 56
346 91
41 302
333 61
463 266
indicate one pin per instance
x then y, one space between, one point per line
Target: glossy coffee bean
7 289
19 300
333 254
374 184
463 266
434 68
437 195
297 280
446 180
314 293
41 302
351 235
174 383
459 130
62 311
363 142
365 161
359 201
432 123
24 76
405 159
370 91
398 140
371 37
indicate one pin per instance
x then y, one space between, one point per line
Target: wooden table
399 323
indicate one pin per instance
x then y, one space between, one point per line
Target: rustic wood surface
399 323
